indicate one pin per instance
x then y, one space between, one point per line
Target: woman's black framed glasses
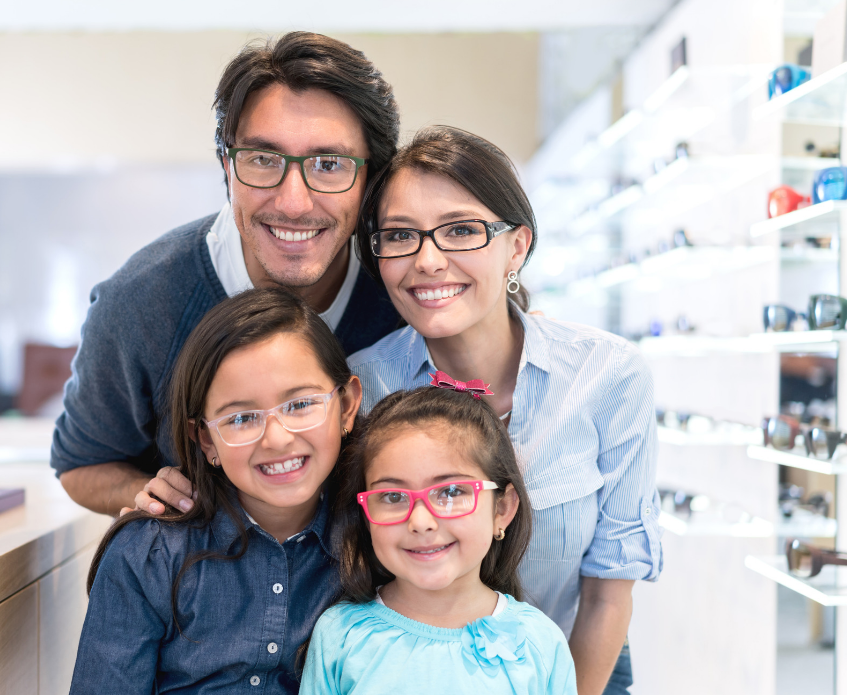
463 235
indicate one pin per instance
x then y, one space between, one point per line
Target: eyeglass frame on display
834 437
287 160
818 556
819 185
478 486
276 412
791 317
490 233
815 302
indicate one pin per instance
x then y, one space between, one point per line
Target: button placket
276 606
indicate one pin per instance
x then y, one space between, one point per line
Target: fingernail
157 508
185 505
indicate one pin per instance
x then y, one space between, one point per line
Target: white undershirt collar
224 242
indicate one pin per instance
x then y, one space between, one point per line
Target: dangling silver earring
512 277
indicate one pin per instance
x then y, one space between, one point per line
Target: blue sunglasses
830 184
785 78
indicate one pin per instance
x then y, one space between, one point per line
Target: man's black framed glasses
323 173
463 235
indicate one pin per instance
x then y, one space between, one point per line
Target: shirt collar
226 531
535 350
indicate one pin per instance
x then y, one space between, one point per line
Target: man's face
305 123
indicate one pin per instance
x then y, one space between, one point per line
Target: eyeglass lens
324 173
799 559
831 185
295 415
827 311
389 506
456 236
777 318
780 433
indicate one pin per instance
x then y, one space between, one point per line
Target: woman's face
472 283
282 469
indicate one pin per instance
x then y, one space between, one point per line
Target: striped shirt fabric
584 429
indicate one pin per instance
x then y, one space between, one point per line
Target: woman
447 227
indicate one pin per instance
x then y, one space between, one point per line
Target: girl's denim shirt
241 621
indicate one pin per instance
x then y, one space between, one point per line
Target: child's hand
169 486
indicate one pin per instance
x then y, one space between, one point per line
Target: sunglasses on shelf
784 199
781 433
785 78
830 184
826 311
779 318
806 560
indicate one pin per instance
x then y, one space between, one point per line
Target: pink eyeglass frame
414 495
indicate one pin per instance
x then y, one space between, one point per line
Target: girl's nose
275 435
421 519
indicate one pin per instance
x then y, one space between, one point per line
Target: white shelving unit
823 219
829 588
724 434
708 525
806 463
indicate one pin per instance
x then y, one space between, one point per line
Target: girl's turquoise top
370 649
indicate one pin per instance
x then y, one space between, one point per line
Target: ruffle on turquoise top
369 648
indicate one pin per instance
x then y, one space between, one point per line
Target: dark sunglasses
806 560
780 318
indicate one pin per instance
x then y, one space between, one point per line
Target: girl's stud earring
512 277
500 536
344 432
215 462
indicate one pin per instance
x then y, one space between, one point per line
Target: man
300 123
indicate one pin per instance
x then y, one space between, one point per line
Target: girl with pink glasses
436 520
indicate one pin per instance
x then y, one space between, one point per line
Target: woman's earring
344 433
215 462
513 280
500 536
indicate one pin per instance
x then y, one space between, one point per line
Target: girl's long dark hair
480 435
237 322
476 164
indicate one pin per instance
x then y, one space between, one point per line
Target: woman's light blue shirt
370 649
584 428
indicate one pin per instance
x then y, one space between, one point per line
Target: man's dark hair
302 60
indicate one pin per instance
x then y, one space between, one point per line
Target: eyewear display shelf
789 341
709 525
829 588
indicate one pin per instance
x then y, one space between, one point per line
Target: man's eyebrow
262 144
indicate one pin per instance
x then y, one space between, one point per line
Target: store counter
46 547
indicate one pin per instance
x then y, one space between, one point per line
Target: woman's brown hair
246 319
480 167
479 434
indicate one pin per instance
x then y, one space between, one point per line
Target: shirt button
277 588
272 647
255 680
647 511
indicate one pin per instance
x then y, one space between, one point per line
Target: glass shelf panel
806 524
834 466
820 101
790 341
711 525
823 219
829 588
808 254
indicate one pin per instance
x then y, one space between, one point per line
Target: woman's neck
465 600
489 350
280 522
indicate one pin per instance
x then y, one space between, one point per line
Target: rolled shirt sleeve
627 537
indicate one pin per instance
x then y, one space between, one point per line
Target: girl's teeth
283 467
441 292
429 552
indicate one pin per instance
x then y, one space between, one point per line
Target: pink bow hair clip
475 387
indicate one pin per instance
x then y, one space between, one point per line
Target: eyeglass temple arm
489 485
834 557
